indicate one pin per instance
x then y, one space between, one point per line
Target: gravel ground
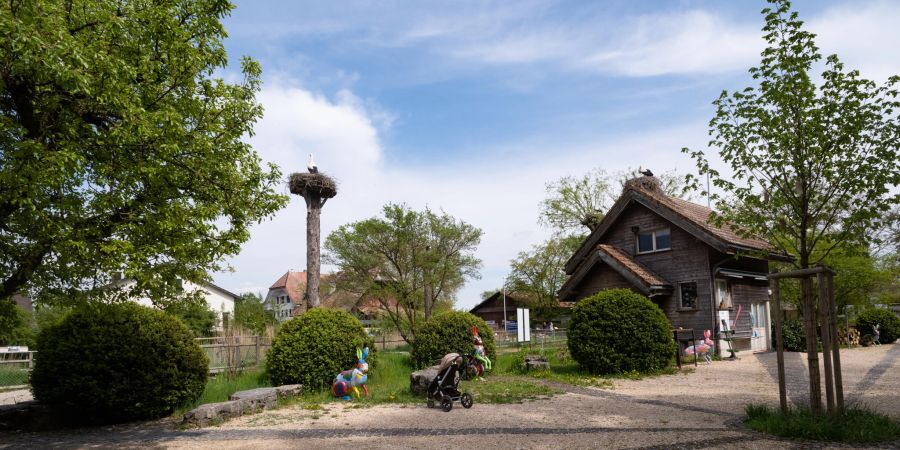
700 408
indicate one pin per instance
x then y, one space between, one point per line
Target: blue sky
472 107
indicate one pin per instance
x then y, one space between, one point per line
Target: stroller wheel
430 402
446 403
466 400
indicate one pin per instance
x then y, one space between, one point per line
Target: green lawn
854 426
220 388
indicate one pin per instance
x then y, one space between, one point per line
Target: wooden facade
491 309
699 271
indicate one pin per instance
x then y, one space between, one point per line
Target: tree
538 274
195 313
119 149
394 258
576 202
250 314
812 166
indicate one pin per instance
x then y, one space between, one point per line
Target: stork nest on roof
644 182
317 184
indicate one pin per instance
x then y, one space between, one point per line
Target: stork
312 167
645 172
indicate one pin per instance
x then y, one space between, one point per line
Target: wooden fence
234 353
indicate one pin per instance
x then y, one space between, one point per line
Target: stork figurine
312 167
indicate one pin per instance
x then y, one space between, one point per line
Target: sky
472 107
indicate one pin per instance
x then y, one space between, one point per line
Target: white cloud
500 196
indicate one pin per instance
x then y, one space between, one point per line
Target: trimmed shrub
793 334
617 331
313 348
118 362
450 332
888 321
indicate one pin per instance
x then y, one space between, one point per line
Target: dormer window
654 241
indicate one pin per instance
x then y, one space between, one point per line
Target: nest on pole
316 185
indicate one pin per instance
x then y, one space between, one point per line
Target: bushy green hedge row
888 321
118 362
450 332
617 331
313 348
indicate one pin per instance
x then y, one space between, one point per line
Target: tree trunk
812 345
313 212
429 301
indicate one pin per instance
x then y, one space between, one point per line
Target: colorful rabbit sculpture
351 380
480 354
701 349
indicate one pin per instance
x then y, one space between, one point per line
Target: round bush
313 348
118 362
618 331
888 321
793 334
450 332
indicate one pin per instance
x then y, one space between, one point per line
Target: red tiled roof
294 283
638 269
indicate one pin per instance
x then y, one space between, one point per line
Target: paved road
699 409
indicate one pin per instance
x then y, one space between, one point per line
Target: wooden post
257 351
836 349
825 326
677 349
779 345
313 214
694 343
812 346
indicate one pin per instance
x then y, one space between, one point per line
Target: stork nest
318 184
645 183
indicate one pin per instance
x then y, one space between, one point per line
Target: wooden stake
825 326
812 346
836 349
779 346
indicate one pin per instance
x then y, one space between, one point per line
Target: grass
855 425
564 369
220 388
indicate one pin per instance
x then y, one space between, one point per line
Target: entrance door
759 320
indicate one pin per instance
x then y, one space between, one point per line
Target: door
759 319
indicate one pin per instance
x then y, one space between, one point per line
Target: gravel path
700 408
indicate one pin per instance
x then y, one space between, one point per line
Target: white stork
312 167
645 172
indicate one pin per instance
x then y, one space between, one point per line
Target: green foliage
394 259
16 325
313 348
116 362
537 275
853 426
812 166
619 331
250 314
793 334
889 322
195 313
450 332
121 149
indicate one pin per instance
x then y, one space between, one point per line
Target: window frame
653 241
681 306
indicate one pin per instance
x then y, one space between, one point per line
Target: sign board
511 325
524 325
724 321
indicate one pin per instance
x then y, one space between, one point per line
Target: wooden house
665 248
491 309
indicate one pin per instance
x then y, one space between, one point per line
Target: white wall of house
217 299
278 301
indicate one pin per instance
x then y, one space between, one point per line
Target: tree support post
779 346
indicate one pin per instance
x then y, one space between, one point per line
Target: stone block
420 379
289 390
258 399
536 362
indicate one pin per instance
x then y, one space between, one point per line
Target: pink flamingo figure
701 349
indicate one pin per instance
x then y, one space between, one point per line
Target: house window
723 294
654 241
688 295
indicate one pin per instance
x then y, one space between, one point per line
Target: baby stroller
445 386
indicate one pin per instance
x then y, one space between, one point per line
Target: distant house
663 247
286 295
491 309
218 299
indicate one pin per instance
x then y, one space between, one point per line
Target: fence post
257 351
30 360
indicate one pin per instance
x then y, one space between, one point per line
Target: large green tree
538 274
398 258
250 314
120 150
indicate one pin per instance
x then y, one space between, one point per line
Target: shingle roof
639 270
294 283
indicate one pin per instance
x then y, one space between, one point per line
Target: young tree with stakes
812 166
